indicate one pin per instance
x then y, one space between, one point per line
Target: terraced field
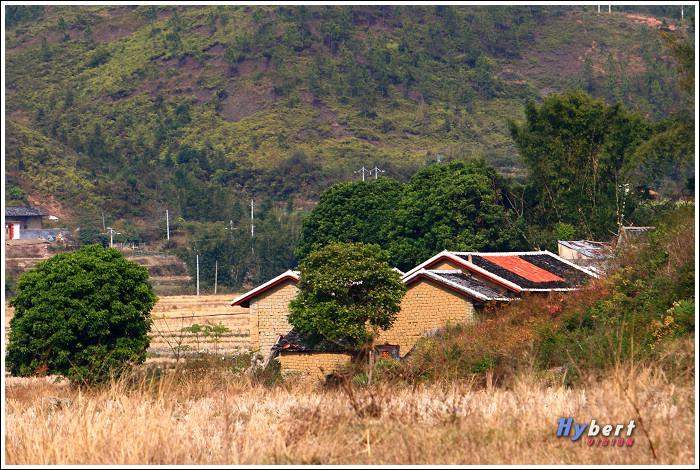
174 313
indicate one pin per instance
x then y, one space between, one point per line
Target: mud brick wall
426 306
268 316
314 364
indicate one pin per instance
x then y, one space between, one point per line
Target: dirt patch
252 66
48 203
108 32
327 116
245 100
178 76
649 21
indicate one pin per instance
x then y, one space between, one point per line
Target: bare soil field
223 418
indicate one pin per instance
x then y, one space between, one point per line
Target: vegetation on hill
128 111
196 108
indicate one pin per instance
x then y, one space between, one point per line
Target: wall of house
567 253
268 316
315 364
26 223
426 306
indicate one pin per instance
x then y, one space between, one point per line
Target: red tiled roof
523 268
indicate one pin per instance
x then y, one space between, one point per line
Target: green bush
84 315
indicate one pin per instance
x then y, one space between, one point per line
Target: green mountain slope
197 108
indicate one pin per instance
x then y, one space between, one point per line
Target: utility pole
252 218
216 274
362 170
197 274
609 8
376 171
682 14
111 236
167 223
104 227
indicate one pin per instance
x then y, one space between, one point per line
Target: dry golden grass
224 419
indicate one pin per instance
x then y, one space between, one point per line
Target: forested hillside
127 111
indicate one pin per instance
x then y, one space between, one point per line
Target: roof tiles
523 268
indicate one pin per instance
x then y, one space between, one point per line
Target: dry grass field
219 418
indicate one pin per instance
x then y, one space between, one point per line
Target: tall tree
347 293
455 206
579 151
351 212
84 315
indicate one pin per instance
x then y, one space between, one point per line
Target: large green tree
347 292
580 153
666 161
84 315
351 212
456 206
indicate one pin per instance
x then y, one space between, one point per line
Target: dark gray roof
469 282
23 211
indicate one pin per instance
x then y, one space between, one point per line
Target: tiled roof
460 282
23 211
531 270
472 284
632 234
523 268
589 248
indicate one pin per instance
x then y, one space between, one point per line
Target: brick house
269 307
448 288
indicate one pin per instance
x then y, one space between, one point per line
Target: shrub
84 315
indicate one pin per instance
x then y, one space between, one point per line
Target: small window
388 351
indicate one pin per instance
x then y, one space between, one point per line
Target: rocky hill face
125 110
